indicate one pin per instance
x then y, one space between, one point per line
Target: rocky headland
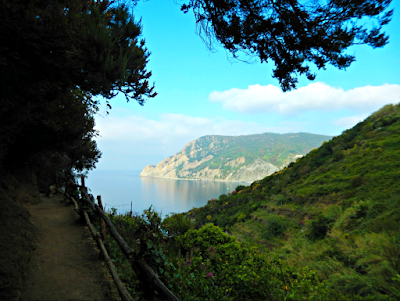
235 158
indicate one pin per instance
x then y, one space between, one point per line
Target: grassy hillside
324 228
273 148
337 210
276 149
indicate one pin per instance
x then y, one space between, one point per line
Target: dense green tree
55 56
92 45
292 33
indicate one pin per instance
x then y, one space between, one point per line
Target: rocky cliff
235 158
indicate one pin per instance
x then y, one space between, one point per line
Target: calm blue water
119 188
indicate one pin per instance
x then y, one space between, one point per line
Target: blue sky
204 93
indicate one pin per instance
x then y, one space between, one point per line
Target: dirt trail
66 264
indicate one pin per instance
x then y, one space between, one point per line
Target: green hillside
243 158
276 149
337 210
324 228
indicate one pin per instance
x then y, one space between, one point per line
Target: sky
207 93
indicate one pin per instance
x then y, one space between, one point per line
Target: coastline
218 180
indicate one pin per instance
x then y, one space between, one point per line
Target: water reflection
182 195
121 188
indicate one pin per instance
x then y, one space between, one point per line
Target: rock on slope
235 158
257 170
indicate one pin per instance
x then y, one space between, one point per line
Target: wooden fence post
140 267
102 222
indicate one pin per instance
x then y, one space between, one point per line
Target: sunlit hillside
337 210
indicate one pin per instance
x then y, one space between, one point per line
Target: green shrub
334 212
240 187
275 226
375 210
320 227
203 238
222 221
356 181
337 155
176 224
218 267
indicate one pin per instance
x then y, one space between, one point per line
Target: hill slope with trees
324 228
57 55
336 210
235 158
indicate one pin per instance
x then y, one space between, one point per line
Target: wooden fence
140 267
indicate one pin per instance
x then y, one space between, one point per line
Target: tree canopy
57 55
292 33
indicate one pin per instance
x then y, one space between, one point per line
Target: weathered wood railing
140 267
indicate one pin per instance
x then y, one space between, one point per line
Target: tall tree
55 56
292 33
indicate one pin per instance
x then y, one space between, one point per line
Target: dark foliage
292 33
55 56
320 227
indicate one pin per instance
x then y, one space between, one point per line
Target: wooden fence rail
123 292
140 267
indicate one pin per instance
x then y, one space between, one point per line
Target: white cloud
175 126
316 96
138 141
349 121
131 141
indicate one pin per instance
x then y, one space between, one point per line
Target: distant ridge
235 158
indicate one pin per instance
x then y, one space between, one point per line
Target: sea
125 191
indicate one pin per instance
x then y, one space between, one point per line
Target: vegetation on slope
206 263
324 228
277 149
337 210
57 54
273 148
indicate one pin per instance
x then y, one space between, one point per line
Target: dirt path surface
66 264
